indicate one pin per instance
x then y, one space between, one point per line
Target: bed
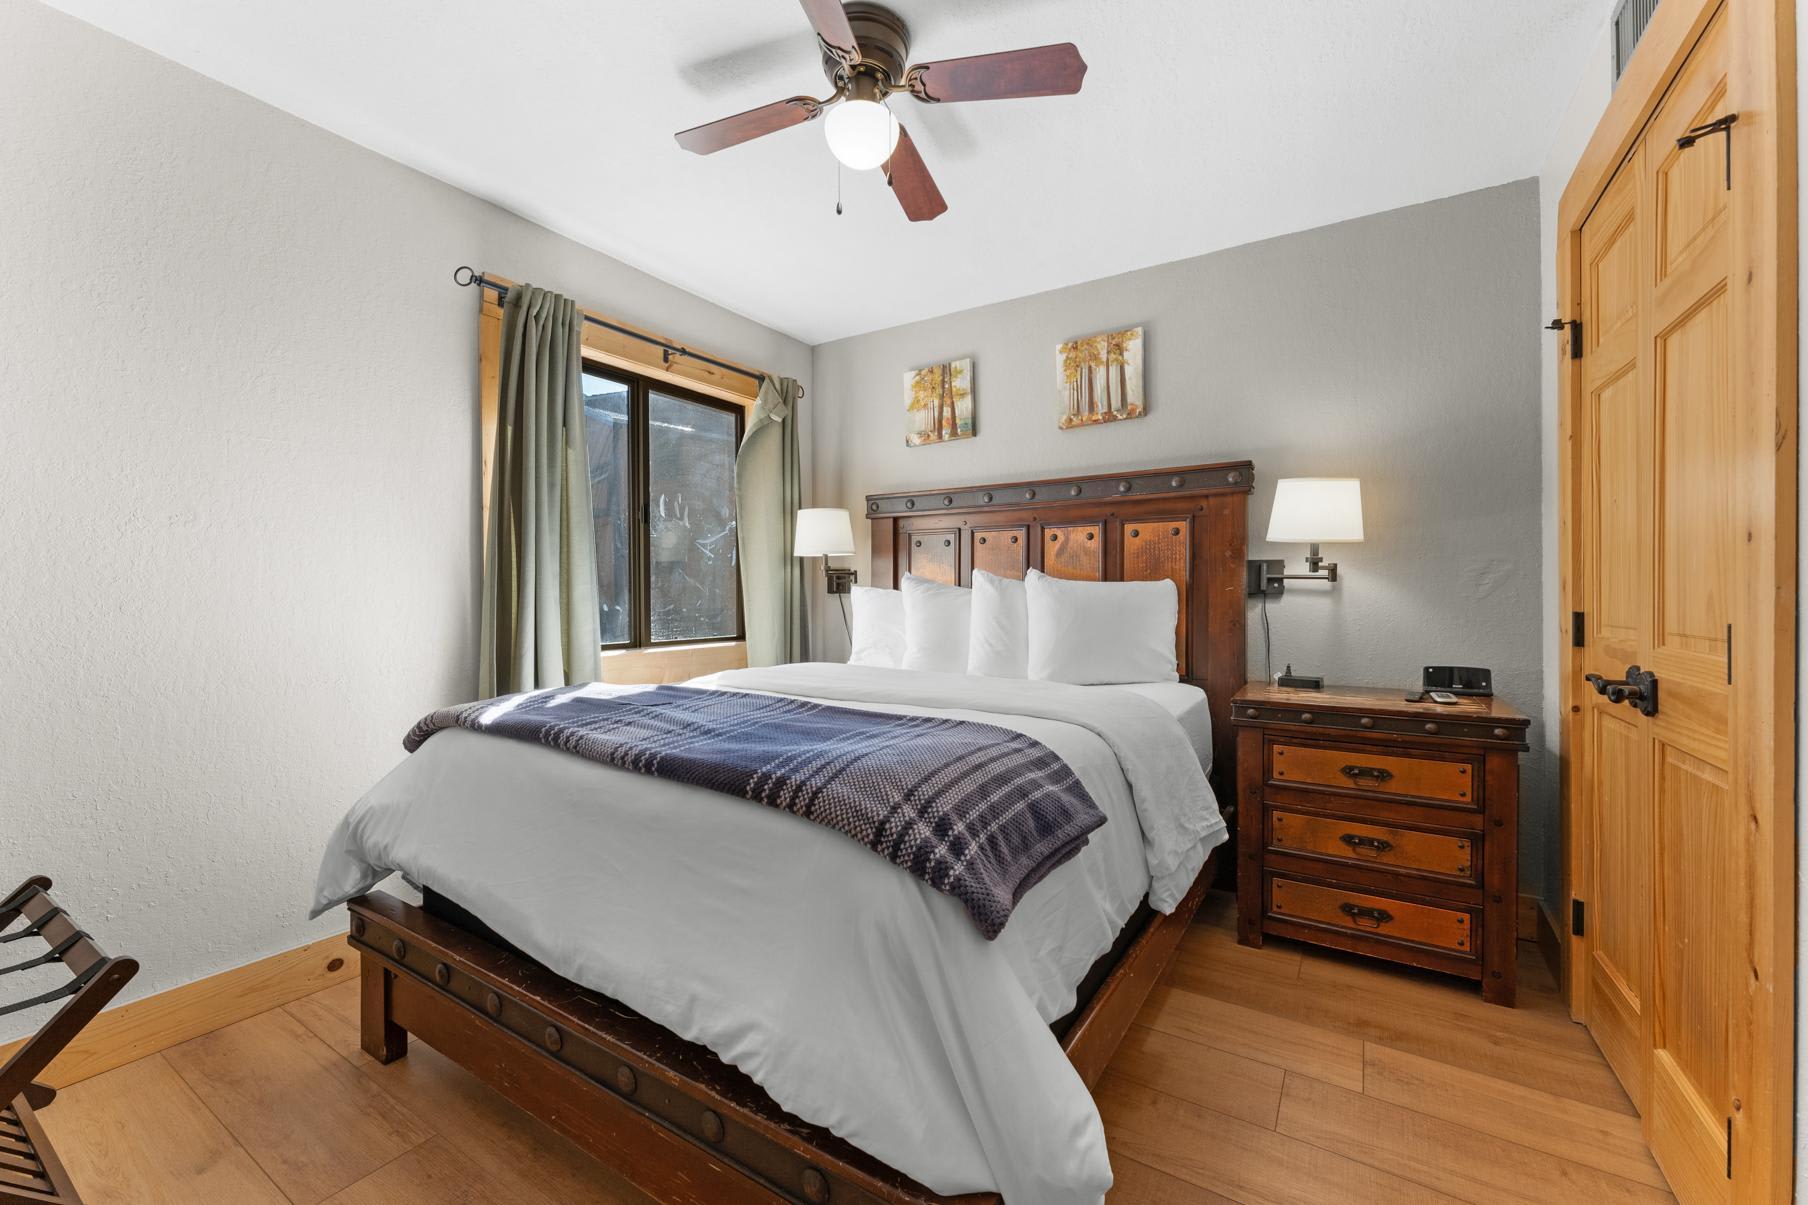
677 983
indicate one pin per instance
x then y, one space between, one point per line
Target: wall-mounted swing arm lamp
1309 511
826 531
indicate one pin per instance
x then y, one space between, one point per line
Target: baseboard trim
1525 920
1550 941
131 1031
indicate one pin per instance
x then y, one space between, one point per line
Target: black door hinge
1575 334
1729 1148
1578 629
1575 918
1729 654
1720 125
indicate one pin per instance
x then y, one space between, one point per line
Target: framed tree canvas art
1100 378
938 403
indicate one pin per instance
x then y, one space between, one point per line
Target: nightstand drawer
1369 915
1372 845
1374 773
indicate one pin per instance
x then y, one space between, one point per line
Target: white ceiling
1203 124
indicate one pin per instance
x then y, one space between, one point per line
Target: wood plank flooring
1280 1075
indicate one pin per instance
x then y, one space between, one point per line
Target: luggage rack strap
75 984
54 954
36 927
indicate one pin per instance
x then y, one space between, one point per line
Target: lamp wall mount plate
1265 577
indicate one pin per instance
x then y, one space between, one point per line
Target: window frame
640 554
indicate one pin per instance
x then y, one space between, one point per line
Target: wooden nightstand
1382 827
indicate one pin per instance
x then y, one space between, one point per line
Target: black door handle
1638 687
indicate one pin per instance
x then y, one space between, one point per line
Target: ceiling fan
865 49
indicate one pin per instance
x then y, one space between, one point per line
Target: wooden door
1615 589
1664 897
1700 900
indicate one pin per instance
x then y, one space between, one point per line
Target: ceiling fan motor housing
884 43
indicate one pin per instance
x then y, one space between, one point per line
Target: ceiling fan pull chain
837 188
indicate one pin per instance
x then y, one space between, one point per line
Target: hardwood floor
1285 1074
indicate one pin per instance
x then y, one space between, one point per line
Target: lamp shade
1316 510
824 531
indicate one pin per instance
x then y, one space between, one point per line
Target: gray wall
1402 348
238 513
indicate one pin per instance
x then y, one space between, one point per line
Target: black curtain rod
464 276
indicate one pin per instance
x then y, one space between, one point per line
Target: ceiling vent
1629 21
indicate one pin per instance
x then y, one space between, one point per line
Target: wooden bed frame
671 1117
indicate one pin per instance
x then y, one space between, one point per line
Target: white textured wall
1401 348
238 474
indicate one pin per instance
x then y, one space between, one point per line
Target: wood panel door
1616 434
1699 899
1659 544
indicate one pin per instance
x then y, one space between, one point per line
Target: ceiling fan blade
744 127
909 178
831 24
1041 71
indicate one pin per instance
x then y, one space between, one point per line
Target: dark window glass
609 433
694 584
663 511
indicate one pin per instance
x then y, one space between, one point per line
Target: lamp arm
1329 575
1263 578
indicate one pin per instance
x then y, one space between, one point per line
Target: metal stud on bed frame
669 1115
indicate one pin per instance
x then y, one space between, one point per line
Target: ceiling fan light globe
861 133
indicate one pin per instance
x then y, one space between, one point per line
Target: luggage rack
30 1173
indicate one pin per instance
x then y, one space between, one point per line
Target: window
662 498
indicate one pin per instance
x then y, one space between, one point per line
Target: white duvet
858 997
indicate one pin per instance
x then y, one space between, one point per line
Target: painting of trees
1100 377
1071 363
938 403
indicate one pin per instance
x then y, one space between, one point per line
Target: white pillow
936 620
878 628
999 644
1096 633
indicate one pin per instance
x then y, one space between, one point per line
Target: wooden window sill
673 663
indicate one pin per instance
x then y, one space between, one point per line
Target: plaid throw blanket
979 812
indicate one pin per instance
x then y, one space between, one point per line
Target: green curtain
540 620
768 491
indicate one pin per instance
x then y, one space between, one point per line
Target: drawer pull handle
1362 844
1367 918
1375 774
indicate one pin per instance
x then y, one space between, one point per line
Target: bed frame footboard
667 1114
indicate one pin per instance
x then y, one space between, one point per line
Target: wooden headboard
1188 524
